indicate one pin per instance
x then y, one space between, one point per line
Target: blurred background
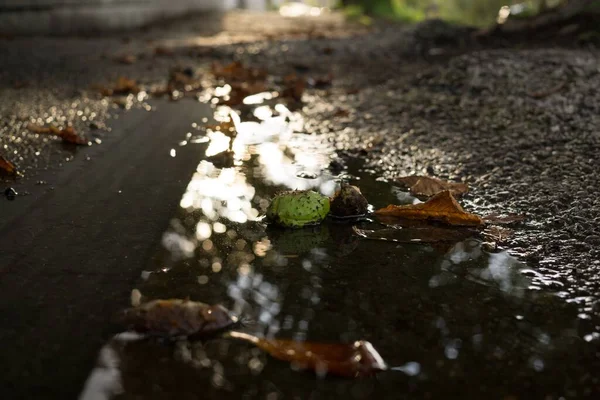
76 16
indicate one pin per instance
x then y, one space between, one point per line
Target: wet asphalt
519 123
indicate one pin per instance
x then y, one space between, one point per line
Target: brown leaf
341 113
429 186
67 134
226 127
163 51
442 208
126 59
353 360
294 86
237 71
122 86
496 218
7 167
175 317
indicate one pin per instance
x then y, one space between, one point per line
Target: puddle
450 318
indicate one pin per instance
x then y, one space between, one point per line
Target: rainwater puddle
451 318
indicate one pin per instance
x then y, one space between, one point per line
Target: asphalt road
70 251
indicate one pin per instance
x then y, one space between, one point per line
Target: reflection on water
451 317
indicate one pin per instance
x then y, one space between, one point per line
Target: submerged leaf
175 318
67 134
428 186
417 235
442 208
294 86
7 167
353 360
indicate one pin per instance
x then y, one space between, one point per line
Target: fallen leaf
122 86
163 51
443 207
237 71
416 235
353 360
7 167
294 86
126 59
175 318
429 186
496 218
67 134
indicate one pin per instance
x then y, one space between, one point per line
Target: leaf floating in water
7 167
428 186
442 208
507 219
353 360
176 318
67 134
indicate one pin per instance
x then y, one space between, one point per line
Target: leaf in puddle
442 207
67 134
429 186
351 360
175 318
7 167
416 235
507 219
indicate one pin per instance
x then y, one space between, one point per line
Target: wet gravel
520 125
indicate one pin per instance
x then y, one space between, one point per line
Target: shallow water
451 317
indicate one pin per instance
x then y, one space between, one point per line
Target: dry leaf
122 86
428 186
442 208
175 318
7 167
347 360
163 51
496 218
237 71
126 59
67 134
341 113
294 86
